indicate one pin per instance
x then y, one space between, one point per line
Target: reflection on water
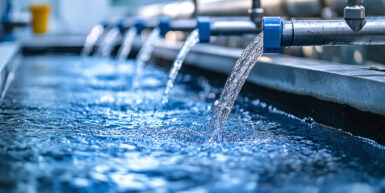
73 125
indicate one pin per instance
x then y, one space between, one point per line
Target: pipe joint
256 16
164 26
139 25
354 14
272 29
204 27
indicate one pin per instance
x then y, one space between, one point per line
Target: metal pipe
183 25
331 32
208 27
232 28
256 14
220 25
166 25
195 13
256 4
129 22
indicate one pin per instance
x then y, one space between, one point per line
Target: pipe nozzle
164 26
139 25
272 29
204 29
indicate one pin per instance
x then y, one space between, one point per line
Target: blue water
70 124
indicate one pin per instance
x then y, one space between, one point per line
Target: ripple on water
70 124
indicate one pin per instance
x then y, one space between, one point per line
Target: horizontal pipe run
130 22
183 25
331 32
233 28
150 24
218 23
174 24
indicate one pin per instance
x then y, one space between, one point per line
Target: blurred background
69 15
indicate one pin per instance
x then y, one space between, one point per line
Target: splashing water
145 55
125 49
191 41
91 40
234 85
69 125
108 44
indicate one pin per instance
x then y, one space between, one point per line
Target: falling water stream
234 85
145 55
125 49
191 41
112 37
92 39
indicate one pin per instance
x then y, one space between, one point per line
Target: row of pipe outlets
278 33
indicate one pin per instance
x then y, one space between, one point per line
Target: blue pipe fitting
272 34
164 26
121 26
204 29
139 25
105 24
7 23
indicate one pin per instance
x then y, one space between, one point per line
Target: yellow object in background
40 17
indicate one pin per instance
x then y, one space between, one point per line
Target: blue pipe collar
139 25
6 23
164 26
272 34
7 38
105 24
204 29
121 25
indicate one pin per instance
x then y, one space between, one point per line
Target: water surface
73 125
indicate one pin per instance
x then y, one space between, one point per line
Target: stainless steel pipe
290 8
331 32
183 25
232 28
